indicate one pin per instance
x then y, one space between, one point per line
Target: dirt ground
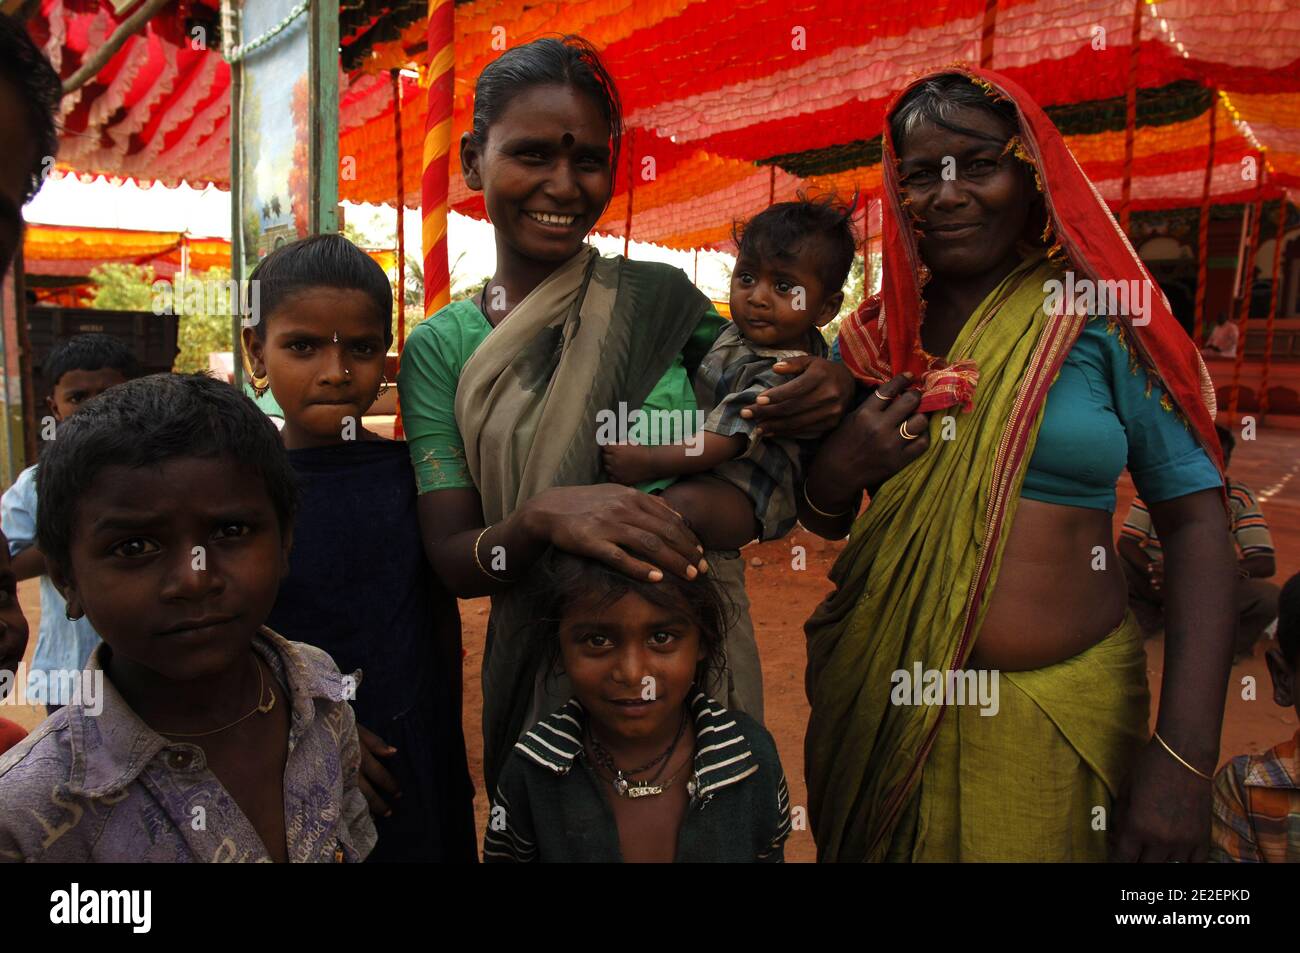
784 597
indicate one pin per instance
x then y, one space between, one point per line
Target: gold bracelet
808 499
1178 758
483 569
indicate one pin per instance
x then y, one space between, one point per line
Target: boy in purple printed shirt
166 518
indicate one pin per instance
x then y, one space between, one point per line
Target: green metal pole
324 104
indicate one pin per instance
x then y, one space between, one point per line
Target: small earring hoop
383 387
261 384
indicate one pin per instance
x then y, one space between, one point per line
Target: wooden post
866 249
631 178
1243 306
436 171
31 414
1130 115
323 218
1272 303
401 230
986 34
401 210
1203 232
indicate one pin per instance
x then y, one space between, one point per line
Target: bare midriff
1060 590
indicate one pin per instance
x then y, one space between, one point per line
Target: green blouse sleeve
432 361
701 340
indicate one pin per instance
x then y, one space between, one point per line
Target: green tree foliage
122 287
201 330
859 286
204 306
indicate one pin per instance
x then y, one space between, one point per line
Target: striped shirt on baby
731 378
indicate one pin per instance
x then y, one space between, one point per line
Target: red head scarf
883 337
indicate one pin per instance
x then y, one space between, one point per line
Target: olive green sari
912 587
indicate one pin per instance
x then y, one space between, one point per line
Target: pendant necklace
627 786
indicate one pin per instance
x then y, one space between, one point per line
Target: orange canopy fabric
719 92
71 250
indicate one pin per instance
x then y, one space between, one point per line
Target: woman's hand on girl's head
638 534
809 405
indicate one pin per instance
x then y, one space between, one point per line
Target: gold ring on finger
905 433
877 393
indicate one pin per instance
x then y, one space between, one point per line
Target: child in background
78 369
1257 796
625 770
359 584
166 515
790 269
13 641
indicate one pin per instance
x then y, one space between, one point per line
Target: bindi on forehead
567 140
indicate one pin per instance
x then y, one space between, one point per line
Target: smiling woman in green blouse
500 396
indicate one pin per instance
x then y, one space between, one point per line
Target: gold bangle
1179 759
478 562
813 506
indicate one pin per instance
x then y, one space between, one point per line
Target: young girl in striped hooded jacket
641 764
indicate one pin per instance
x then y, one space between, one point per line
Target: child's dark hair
24 65
777 232
321 261
1288 621
560 578
89 352
144 423
567 61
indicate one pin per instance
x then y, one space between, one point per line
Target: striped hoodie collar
722 753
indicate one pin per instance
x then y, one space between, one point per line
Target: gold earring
383 387
261 384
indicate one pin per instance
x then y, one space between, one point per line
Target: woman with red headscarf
978 690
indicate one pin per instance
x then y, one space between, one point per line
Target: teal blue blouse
1104 413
